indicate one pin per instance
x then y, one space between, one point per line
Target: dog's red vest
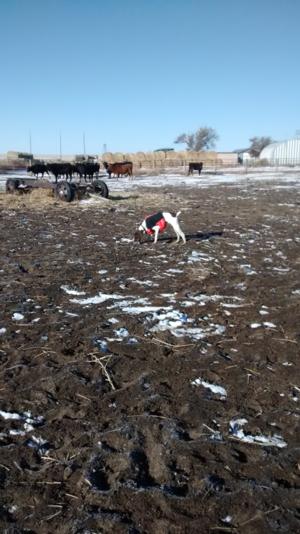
161 223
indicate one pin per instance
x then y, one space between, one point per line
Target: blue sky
134 74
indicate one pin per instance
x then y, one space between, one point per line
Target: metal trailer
63 190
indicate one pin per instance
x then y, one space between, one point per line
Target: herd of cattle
86 170
89 170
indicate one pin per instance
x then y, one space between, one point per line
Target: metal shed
282 153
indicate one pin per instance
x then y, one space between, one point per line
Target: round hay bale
129 156
159 155
118 156
140 156
107 156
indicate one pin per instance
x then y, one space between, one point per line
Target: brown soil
118 439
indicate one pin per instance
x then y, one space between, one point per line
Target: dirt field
151 389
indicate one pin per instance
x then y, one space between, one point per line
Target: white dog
158 222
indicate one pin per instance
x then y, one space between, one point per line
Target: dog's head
138 235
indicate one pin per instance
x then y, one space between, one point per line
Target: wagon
66 191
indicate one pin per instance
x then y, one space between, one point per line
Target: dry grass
37 198
44 198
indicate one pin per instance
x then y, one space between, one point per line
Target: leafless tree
257 144
203 139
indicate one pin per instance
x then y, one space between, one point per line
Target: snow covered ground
289 177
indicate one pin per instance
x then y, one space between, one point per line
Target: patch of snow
218 390
236 430
17 316
247 269
98 299
71 291
263 312
121 332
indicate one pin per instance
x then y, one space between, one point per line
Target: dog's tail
177 214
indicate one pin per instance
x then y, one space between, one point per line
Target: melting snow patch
28 421
136 310
148 283
236 430
281 270
17 317
296 292
10 415
263 312
101 344
169 320
247 269
218 390
2 331
187 303
122 332
71 291
176 322
113 320
195 333
199 256
266 324
40 444
227 519
98 299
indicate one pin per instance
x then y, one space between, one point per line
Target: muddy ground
151 389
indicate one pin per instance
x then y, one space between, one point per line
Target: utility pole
60 143
83 140
29 142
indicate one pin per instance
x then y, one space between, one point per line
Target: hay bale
107 156
118 156
35 199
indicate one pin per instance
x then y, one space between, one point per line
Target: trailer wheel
101 188
11 185
65 191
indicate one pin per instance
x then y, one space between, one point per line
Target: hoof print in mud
140 469
97 475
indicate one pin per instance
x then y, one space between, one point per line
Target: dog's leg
179 233
156 232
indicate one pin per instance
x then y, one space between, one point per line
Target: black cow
195 167
86 169
60 169
38 168
123 168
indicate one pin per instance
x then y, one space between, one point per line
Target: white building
282 153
